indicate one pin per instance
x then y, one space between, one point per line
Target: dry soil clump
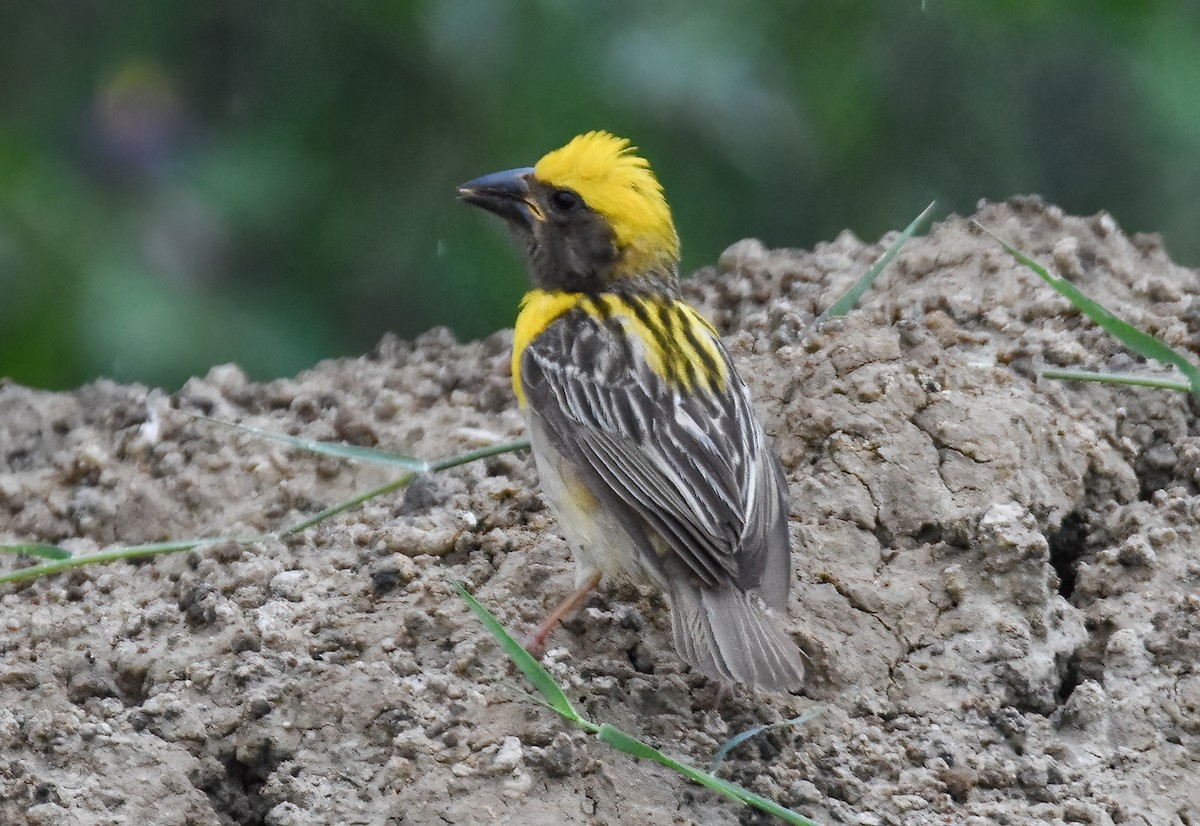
995 579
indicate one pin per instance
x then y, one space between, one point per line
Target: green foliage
755 731
847 301
1136 340
272 183
60 559
338 449
556 699
41 550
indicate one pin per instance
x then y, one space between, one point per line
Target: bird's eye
564 200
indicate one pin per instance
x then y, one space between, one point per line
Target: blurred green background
271 183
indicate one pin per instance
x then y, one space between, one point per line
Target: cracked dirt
996 576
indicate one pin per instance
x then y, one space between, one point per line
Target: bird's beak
504 193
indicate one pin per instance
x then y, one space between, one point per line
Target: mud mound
996 578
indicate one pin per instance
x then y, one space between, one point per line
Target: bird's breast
539 309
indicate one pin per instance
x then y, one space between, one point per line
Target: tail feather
733 636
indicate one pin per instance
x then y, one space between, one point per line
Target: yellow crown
614 181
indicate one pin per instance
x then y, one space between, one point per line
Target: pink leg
535 642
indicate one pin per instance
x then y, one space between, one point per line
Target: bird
643 434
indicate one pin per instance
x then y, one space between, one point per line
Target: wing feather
691 462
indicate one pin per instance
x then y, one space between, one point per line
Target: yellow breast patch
539 309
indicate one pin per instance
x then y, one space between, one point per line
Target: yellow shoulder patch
678 343
618 184
539 308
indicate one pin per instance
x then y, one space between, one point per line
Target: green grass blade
481 453
1140 342
353 502
327 448
555 697
37 549
117 554
557 700
631 745
1117 378
844 304
737 740
396 484
61 560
